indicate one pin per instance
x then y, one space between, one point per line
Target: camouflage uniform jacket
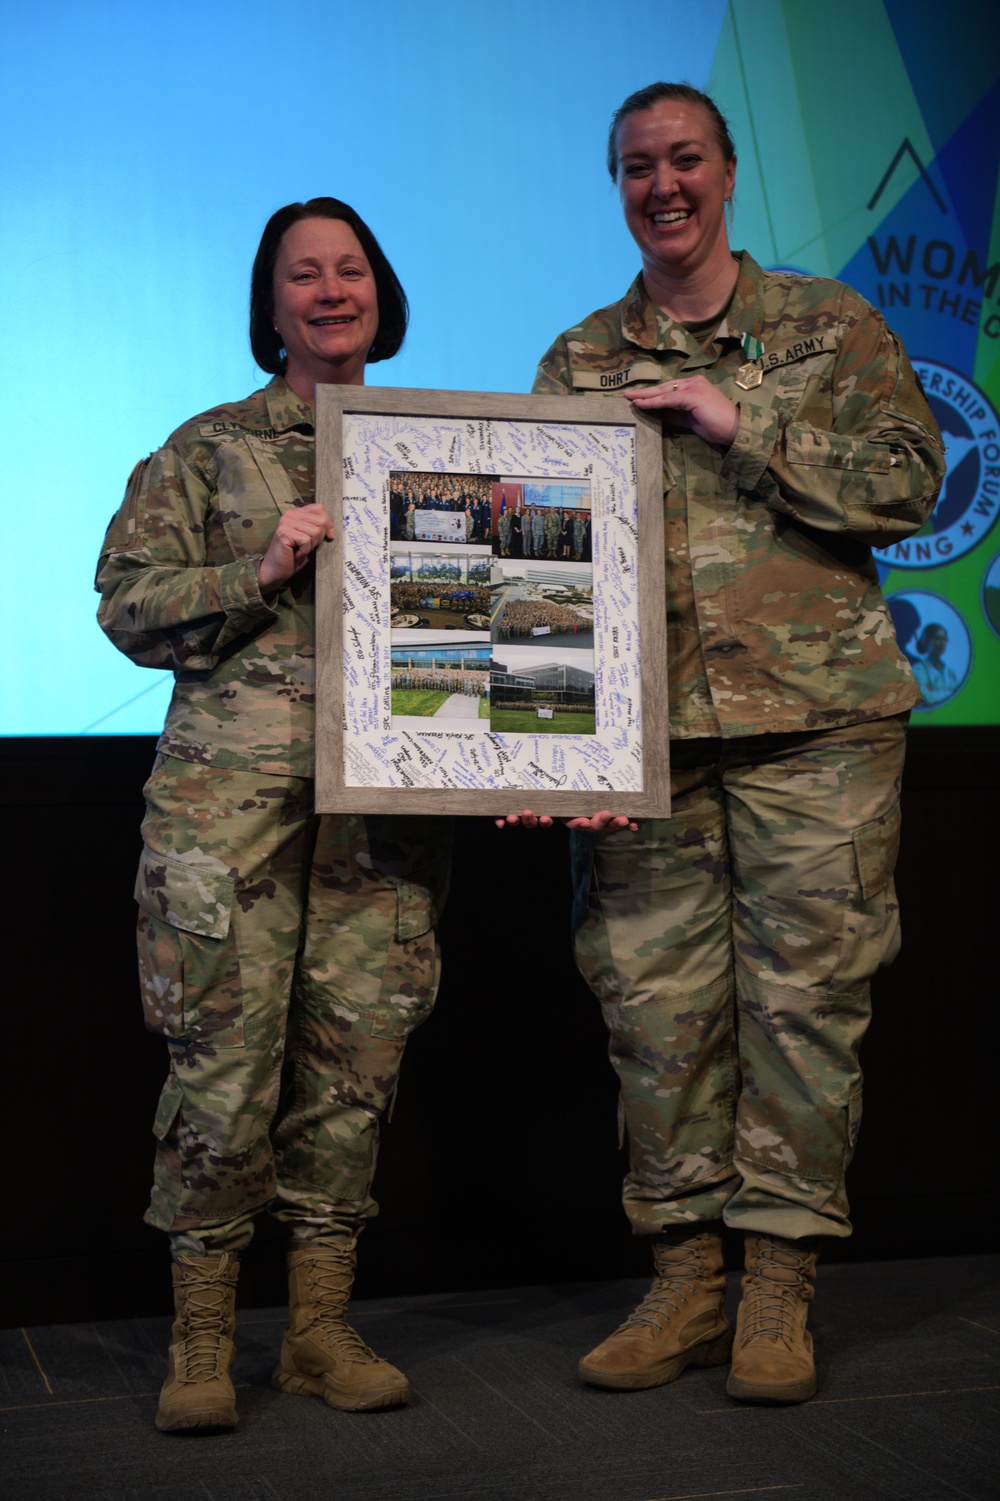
775 621
178 583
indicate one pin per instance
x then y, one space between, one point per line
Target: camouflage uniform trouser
270 937
731 947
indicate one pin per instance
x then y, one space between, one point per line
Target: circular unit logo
970 496
936 642
991 595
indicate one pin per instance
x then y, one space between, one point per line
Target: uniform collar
285 409
644 324
745 314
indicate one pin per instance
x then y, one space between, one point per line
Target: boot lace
331 1278
202 1353
678 1269
777 1288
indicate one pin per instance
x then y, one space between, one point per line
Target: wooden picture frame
573 717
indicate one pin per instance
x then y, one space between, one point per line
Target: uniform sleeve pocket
876 846
804 445
125 530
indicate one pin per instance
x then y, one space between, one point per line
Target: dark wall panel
501 1164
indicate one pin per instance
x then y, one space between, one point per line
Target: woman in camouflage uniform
731 945
268 936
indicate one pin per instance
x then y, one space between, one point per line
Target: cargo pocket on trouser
871 935
189 968
413 965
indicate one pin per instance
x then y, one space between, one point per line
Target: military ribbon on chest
750 374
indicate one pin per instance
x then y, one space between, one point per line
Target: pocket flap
415 911
837 451
166 1111
876 846
419 904
186 896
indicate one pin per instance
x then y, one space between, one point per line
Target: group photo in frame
490 622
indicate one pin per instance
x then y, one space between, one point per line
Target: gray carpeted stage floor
907 1408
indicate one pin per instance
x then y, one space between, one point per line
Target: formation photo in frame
490 624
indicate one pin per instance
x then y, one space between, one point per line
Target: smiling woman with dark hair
269 938
393 309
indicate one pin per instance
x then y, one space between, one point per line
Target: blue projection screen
146 144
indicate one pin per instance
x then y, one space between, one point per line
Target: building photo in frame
490 612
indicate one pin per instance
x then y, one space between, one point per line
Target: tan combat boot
773 1354
198 1392
321 1355
678 1323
